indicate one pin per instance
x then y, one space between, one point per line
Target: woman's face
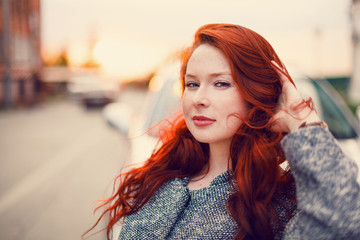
212 105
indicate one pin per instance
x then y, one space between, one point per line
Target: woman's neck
218 163
219 157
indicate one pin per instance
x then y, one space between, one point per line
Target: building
20 56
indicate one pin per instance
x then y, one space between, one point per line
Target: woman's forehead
210 59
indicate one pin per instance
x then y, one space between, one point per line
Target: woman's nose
200 98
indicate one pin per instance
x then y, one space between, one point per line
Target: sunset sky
131 37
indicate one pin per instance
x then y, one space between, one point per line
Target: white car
163 98
92 91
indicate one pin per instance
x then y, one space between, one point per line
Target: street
57 160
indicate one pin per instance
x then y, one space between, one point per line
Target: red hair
255 149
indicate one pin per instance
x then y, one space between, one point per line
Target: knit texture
326 188
328 194
175 212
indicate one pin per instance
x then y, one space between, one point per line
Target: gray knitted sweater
328 199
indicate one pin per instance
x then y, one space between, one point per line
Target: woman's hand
293 110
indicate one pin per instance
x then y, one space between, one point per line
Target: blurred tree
91 63
62 59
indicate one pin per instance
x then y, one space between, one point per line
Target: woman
217 174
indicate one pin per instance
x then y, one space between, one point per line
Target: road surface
56 160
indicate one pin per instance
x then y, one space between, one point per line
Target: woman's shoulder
176 182
171 187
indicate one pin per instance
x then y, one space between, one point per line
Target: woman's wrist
320 123
300 121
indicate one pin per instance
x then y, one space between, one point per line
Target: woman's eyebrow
188 75
215 74
220 74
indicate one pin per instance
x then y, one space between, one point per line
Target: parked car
119 115
92 91
164 97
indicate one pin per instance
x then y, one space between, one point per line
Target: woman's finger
283 78
289 91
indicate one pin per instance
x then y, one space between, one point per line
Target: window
333 115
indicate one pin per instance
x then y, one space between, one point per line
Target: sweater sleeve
328 194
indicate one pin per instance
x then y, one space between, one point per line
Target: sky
130 38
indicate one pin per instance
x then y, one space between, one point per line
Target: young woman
217 173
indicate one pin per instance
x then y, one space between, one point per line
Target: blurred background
79 77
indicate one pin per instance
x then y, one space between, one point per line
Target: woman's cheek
185 106
234 122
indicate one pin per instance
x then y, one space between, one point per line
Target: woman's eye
222 84
191 85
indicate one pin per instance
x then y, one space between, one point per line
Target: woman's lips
202 121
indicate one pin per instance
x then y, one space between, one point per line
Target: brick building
20 57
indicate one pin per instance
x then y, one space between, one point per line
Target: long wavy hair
255 152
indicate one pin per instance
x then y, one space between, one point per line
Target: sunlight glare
78 52
123 59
